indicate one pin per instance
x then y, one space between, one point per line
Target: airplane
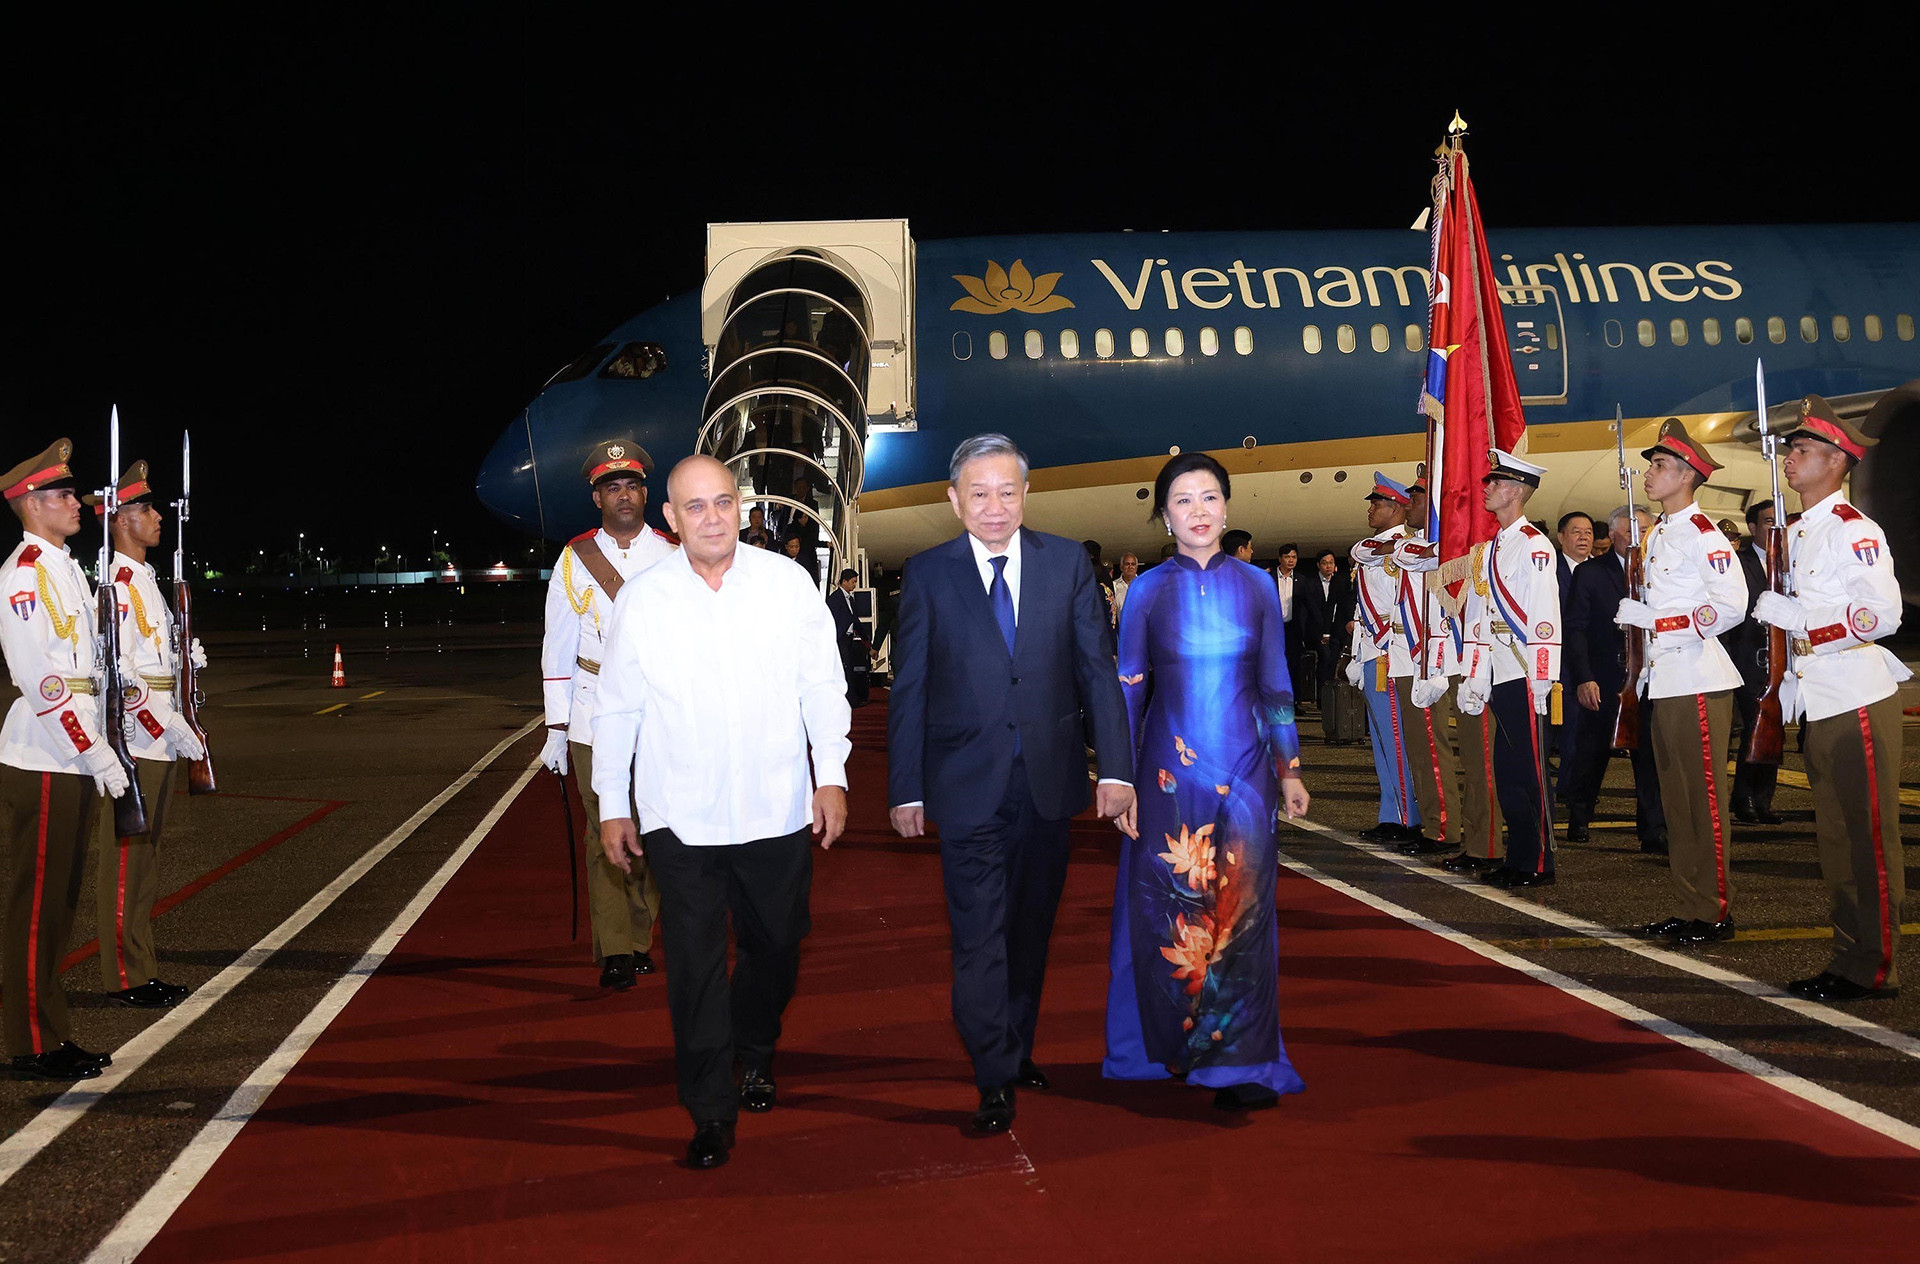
1295 358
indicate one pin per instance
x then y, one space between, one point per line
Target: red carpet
481 1099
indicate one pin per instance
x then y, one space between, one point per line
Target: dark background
346 249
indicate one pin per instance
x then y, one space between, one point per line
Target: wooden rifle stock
1766 743
130 809
186 698
1626 720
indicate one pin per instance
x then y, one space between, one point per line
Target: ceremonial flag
1469 396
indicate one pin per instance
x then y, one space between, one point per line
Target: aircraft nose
506 480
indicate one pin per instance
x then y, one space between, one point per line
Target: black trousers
1751 781
1520 777
764 885
1003 887
1590 769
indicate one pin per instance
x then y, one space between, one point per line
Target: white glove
1542 691
186 744
554 753
1781 612
1473 699
1429 690
197 655
1353 672
1634 614
109 778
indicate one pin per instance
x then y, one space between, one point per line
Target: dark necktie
1002 598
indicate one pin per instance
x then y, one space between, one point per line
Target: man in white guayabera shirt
721 668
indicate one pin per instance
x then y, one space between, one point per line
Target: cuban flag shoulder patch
1542 560
24 604
1868 551
1720 559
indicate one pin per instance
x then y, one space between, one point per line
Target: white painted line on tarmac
1807 1090
148 1216
1852 1024
69 1107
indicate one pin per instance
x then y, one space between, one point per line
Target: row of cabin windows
1174 342
1743 330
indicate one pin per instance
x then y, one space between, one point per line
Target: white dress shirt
1285 584
983 558
717 694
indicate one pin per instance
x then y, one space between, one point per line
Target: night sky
346 251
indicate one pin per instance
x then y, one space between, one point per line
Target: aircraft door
1537 341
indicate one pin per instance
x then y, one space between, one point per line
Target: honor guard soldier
1381 656
1426 705
1842 599
54 763
127 877
623 907
1468 814
1513 664
1695 594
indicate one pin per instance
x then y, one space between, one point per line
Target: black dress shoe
1655 846
1826 986
1240 1097
995 1113
617 972
710 1145
756 1092
1697 932
1511 878
181 992
1421 845
55 1064
1661 929
1577 832
1744 811
1464 863
1032 1076
152 994
642 963
83 1057
1381 833
1766 816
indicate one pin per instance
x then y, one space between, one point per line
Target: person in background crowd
1129 571
1284 581
856 652
755 532
1323 615
1730 529
1753 784
1574 541
1102 577
794 547
1238 545
1596 670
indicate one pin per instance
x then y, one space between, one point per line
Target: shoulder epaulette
667 536
584 535
124 575
1705 524
1847 513
30 555
1529 529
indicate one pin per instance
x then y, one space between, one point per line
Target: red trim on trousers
1399 747
1439 782
1713 806
1486 753
120 920
1546 795
1879 855
33 923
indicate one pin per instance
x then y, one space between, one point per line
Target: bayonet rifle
1626 721
187 696
1767 741
130 809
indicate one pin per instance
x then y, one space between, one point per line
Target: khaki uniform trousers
1853 766
623 908
47 821
1436 773
1689 745
1481 827
126 881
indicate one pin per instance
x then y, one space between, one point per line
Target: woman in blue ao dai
1194 958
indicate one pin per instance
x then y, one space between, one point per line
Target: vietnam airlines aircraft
1295 358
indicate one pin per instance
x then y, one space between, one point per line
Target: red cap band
1834 435
607 467
28 483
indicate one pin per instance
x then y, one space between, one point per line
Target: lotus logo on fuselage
1009 290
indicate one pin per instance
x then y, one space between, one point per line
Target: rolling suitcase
1343 710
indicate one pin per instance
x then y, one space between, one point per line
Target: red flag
1469 396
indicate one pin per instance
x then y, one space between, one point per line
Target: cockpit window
582 366
637 359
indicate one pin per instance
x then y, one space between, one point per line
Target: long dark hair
1187 463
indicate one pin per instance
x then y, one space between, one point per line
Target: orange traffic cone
339 670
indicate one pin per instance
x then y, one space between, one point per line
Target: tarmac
338 805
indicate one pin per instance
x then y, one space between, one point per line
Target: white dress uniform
1381 627
1842 576
147 657
49 644
1698 593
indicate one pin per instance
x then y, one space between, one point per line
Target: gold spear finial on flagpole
1458 126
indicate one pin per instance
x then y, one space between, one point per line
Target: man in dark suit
1320 610
1574 538
856 652
1002 660
1595 667
1753 783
